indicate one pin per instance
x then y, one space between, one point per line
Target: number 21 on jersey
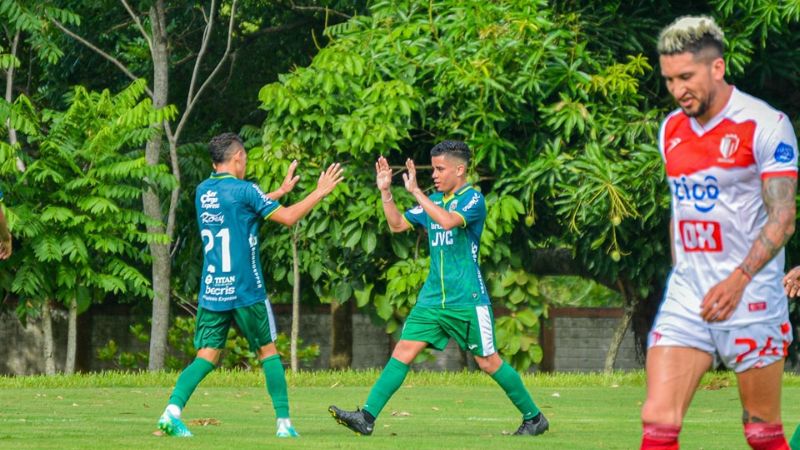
225 240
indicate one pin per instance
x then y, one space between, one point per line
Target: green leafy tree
75 207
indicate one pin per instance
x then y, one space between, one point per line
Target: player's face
447 173
692 81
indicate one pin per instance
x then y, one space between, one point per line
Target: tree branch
138 23
97 50
326 10
192 98
202 52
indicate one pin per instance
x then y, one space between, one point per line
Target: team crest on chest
453 205
728 146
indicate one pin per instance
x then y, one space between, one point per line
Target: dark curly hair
222 147
456 149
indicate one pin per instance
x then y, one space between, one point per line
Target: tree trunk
295 301
616 339
48 343
162 265
12 133
72 337
341 335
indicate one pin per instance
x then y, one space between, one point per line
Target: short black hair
456 149
222 148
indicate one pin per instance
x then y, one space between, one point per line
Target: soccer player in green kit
453 302
229 211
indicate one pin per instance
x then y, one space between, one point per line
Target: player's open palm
290 180
383 174
410 178
330 178
791 282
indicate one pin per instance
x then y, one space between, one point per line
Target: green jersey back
454 279
229 211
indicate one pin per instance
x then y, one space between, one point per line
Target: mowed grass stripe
457 413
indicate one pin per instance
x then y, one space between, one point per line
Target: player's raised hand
791 282
383 174
330 178
290 180
410 178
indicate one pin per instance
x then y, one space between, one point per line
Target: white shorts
747 347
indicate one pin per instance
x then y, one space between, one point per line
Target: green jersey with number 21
229 212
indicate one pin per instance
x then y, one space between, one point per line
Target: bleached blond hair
693 34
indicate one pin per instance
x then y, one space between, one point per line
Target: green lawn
432 410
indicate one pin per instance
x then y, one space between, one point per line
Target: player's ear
718 69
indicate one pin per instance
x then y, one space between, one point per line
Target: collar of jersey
221 175
446 198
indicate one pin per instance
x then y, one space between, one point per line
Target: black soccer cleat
533 427
353 420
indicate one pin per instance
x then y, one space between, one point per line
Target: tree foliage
76 207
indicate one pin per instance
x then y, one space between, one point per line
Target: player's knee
765 436
489 364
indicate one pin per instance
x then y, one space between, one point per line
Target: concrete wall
582 337
576 340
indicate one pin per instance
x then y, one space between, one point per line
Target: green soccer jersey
229 211
454 279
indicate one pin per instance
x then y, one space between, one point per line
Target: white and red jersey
715 173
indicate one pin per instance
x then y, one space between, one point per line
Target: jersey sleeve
776 149
472 208
416 217
259 201
1 195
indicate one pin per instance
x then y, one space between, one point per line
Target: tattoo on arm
779 198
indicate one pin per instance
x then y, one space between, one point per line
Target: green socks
510 381
795 442
390 380
276 385
191 376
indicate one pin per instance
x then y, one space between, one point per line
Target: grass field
431 410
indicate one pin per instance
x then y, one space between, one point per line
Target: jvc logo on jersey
704 195
700 236
208 218
442 238
209 200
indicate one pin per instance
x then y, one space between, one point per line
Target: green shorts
256 323
471 328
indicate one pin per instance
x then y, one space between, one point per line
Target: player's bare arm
383 178
5 237
289 181
446 219
779 199
791 282
328 180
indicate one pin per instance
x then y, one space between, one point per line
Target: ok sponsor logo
700 236
702 195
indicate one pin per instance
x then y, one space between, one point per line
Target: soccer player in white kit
731 165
